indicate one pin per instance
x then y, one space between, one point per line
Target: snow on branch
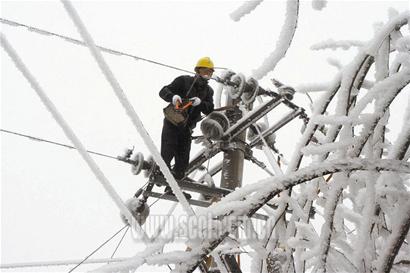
319 4
246 8
403 139
394 23
284 40
263 191
396 239
332 44
397 83
270 188
312 87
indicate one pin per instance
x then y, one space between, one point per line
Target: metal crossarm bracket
214 170
203 157
231 263
199 203
282 122
248 120
190 185
172 197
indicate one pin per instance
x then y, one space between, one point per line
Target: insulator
286 91
239 80
138 193
138 208
215 125
126 154
138 160
251 91
253 133
150 166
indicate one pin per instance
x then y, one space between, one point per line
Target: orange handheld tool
180 106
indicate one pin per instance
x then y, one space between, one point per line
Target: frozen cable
71 135
127 105
98 248
53 142
119 243
104 49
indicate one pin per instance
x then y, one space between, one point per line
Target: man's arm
175 88
207 105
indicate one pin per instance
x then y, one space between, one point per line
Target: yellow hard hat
205 62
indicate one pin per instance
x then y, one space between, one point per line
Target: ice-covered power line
99 247
81 43
130 111
53 142
104 49
59 263
71 135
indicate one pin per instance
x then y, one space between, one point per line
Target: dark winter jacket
200 89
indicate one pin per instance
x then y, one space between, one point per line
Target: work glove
196 101
176 99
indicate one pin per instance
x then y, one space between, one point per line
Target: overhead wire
98 248
54 143
63 145
81 43
104 49
68 131
119 243
126 104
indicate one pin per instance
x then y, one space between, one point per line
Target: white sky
52 207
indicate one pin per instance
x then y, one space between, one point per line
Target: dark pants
176 143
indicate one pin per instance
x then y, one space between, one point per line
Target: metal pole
232 168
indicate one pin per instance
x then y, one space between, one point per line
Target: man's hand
176 99
195 101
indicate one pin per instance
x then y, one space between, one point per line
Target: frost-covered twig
246 8
332 44
339 183
398 150
354 76
270 188
394 85
284 40
311 128
395 241
395 23
319 4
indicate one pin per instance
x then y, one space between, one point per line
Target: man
176 140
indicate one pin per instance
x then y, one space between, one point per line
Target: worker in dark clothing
176 140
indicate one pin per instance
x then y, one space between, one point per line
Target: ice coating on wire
71 135
127 106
